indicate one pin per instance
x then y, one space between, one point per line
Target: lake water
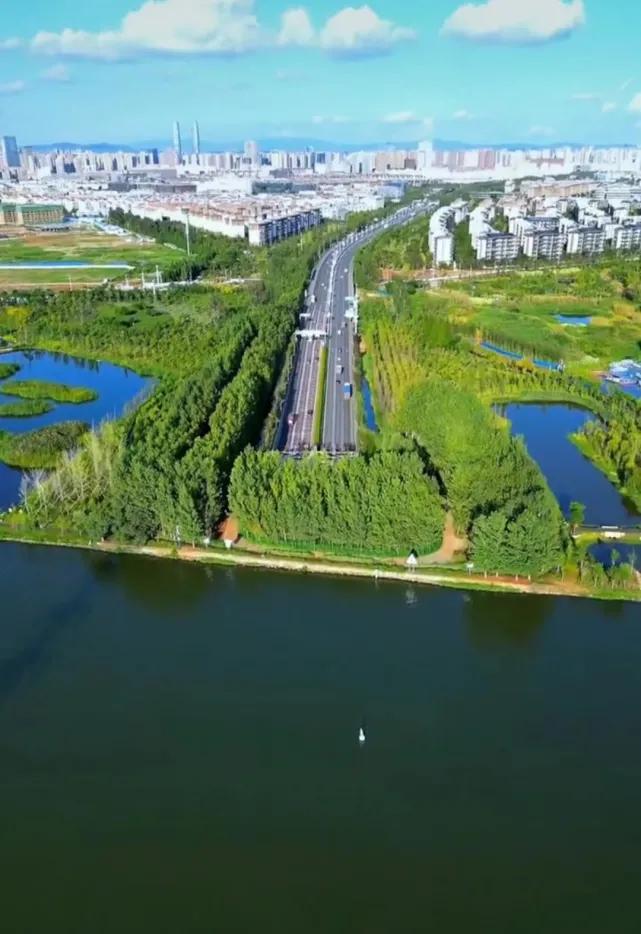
546 430
179 754
116 387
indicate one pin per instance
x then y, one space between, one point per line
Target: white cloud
169 26
462 115
13 87
519 21
401 118
608 107
635 104
626 84
361 31
319 120
408 118
540 130
296 28
56 73
222 27
585 96
6 45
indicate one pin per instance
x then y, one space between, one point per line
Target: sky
498 71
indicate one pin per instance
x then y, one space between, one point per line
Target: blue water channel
370 414
116 388
63 264
513 355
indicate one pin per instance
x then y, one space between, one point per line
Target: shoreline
328 568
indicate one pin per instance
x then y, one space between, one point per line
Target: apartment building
627 238
441 237
265 232
544 243
496 247
31 215
585 241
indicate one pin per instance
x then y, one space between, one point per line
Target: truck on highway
347 391
339 369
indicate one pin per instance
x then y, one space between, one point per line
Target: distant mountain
304 142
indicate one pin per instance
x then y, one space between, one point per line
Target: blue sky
494 71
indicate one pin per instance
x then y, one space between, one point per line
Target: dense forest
386 504
430 385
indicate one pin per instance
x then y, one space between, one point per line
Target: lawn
81 245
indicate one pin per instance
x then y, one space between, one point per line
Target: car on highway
291 419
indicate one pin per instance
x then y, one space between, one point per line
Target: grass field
78 245
521 313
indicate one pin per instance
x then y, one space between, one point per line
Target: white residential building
496 247
441 238
585 241
627 238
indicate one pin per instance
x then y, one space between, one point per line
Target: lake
571 477
179 754
116 387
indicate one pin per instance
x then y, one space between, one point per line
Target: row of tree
384 504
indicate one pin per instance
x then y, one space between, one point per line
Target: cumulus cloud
169 26
296 28
635 104
361 31
518 21
56 73
13 87
222 27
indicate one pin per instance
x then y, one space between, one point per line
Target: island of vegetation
442 476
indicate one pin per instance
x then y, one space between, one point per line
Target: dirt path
452 548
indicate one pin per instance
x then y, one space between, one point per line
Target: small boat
361 736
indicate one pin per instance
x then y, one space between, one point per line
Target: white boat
361 736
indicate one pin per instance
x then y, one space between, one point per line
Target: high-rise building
9 152
178 146
252 152
196 138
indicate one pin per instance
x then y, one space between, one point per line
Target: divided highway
330 296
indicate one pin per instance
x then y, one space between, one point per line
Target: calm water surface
179 754
116 387
571 477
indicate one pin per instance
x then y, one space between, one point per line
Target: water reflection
164 586
498 621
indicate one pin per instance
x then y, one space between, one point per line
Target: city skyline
503 71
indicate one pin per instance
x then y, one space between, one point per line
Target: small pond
603 552
574 321
571 477
115 385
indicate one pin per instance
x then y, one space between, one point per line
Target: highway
323 323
